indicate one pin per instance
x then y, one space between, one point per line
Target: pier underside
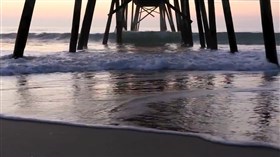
149 2
174 12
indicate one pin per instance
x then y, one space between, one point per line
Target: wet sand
29 138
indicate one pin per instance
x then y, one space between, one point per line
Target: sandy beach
29 138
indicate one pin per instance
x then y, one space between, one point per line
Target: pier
167 10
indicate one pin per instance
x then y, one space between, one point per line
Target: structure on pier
206 22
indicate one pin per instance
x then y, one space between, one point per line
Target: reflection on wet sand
220 104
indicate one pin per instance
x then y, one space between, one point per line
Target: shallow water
236 106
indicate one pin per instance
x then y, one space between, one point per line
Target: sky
56 15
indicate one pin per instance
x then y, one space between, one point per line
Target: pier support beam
162 11
108 25
212 25
199 24
75 26
135 23
23 29
186 29
85 31
125 15
268 31
178 18
119 19
119 22
183 27
132 17
205 22
189 24
170 18
229 24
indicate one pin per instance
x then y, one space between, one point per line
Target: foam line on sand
37 138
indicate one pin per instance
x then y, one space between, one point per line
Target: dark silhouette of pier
206 22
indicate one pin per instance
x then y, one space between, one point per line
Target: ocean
150 81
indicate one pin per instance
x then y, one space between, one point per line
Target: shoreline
38 138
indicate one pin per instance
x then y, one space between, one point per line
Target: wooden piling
268 31
183 27
170 18
23 29
199 24
188 23
139 19
178 18
229 25
84 36
136 19
75 26
119 23
205 22
108 25
163 26
132 17
186 30
212 25
125 15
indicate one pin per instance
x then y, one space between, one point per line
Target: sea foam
205 60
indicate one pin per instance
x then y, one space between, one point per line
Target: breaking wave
100 61
243 38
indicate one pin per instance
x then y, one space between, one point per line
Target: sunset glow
59 14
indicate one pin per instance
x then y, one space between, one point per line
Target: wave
205 60
243 38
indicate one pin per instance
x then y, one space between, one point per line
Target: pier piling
84 35
132 17
186 10
170 18
125 15
205 22
23 29
212 25
163 26
199 24
178 18
108 25
75 26
268 31
184 26
229 25
135 24
119 22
